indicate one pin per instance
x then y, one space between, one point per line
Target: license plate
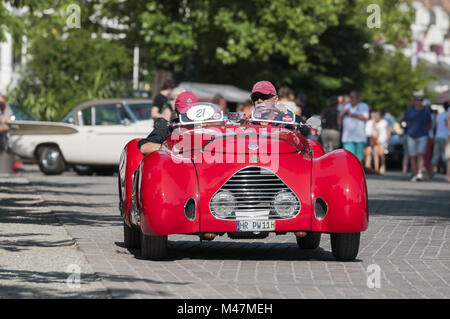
255 225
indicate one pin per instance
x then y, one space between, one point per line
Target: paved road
408 241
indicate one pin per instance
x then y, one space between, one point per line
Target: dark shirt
329 118
418 121
160 133
161 102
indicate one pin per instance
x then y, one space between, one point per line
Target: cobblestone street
408 239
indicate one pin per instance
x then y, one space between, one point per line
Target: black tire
105 171
310 241
153 247
345 246
50 160
131 237
83 170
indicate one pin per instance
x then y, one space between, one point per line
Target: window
141 110
110 114
86 115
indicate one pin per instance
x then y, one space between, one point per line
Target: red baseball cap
264 87
184 101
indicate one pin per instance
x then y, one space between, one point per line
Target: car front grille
254 190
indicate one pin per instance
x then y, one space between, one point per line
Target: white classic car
91 137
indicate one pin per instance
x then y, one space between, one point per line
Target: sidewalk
37 255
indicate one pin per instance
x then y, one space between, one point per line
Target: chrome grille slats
254 189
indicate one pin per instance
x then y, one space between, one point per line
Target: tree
390 81
235 31
68 65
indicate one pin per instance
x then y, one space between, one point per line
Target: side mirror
126 122
314 122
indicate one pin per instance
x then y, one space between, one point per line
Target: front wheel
310 241
345 246
153 247
50 160
131 237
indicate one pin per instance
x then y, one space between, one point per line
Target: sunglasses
256 96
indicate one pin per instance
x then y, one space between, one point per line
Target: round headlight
285 204
223 204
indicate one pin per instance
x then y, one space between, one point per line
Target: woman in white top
378 132
383 134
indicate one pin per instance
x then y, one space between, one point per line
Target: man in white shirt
353 118
442 133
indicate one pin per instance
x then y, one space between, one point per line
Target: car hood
229 139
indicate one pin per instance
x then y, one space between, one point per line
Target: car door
110 130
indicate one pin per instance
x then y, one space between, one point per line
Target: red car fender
166 183
129 162
316 148
338 178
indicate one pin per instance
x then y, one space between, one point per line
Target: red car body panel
189 166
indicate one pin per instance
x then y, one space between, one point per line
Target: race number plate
255 225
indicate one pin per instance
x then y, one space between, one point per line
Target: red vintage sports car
244 178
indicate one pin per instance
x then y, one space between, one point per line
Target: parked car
90 137
245 179
21 113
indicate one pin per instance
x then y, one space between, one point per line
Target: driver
265 92
162 129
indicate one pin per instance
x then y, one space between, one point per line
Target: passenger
162 129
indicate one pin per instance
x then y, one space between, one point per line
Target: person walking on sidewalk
353 119
442 134
419 122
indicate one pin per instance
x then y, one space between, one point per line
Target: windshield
141 111
21 113
202 113
274 112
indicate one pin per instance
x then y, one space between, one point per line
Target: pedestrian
330 128
219 100
353 118
419 122
370 143
441 137
247 108
304 110
161 105
430 141
447 149
389 118
5 117
383 132
286 96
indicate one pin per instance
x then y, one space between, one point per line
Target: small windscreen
275 112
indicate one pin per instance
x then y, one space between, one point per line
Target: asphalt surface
48 223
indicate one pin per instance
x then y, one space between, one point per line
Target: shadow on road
236 250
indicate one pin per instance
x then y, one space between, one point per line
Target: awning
204 90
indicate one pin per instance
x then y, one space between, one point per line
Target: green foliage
318 47
68 66
391 81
